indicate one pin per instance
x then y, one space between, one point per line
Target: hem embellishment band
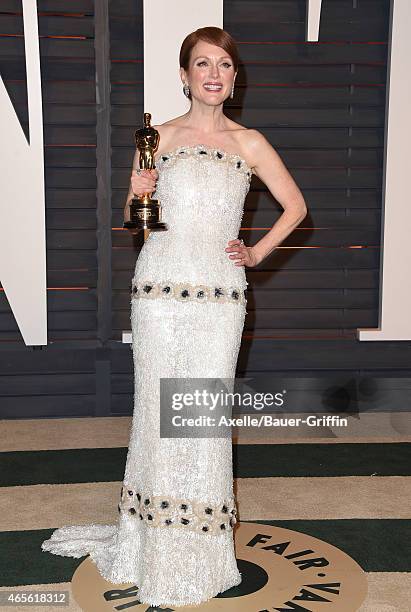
188 292
165 511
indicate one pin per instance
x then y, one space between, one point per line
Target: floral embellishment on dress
182 292
208 153
167 512
201 292
148 289
166 290
220 155
185 292
234 294
219 294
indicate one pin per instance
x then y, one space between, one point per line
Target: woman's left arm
269 167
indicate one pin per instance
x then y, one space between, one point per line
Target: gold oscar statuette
145 213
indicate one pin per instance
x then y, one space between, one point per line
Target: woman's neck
205 119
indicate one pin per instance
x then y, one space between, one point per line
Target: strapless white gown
174 535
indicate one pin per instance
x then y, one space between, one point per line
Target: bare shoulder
168 131
171 125
165 130
253 144
252 140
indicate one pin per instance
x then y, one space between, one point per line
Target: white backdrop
166 24
22 198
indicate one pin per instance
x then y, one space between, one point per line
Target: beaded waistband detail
188 292
167 512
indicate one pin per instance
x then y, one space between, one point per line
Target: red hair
214 36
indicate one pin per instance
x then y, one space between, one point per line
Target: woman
174 538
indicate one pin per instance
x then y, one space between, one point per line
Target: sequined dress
177 509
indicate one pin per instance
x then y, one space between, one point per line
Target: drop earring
186 90
232 91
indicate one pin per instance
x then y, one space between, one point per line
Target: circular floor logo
282 570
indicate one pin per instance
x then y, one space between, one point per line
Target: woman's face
210 74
